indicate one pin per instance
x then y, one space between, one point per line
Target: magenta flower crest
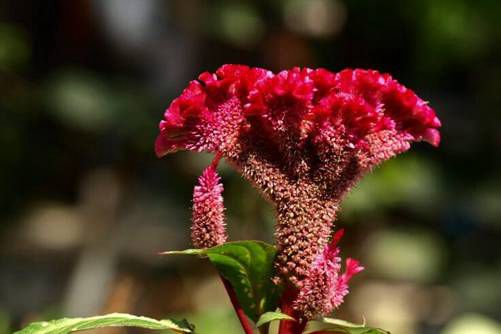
303 137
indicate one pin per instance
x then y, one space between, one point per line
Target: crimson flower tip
163 146
336 237
432 136
353 267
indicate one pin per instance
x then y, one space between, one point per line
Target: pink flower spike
324 288
208 223
353 267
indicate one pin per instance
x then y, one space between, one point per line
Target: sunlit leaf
68 325
272 316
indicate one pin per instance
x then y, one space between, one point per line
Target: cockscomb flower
208 226
302 136
325 287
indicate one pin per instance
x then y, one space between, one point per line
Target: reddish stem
290 326
217 158
244 321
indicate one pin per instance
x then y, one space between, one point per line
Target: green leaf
272 316
67 325
340 326
248 266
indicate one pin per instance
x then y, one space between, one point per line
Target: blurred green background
85 206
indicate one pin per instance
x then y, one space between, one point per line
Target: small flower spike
208 226
324 288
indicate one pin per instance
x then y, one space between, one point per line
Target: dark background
85 206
